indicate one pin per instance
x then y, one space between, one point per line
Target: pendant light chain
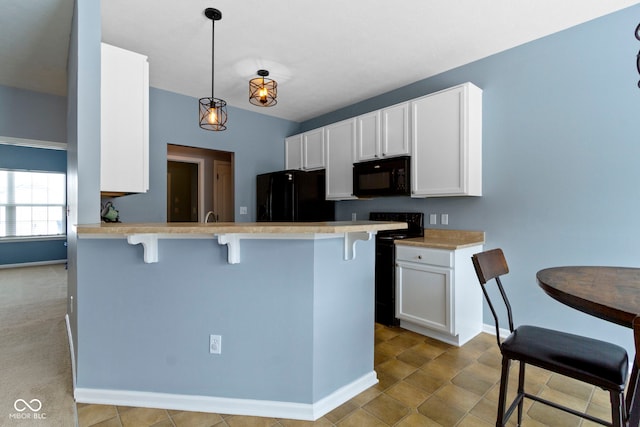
213 38
213 111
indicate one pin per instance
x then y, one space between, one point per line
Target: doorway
200 184
182 191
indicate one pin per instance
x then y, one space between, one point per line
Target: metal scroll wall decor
638 55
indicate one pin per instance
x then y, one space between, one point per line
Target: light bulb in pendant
263 94
213 117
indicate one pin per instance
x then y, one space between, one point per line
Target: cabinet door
368 136
423 295
340 145
395 130
124 130
447 143
313 149
293 152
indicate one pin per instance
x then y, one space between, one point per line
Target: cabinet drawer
430 256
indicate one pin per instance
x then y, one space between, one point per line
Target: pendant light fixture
263 92
213 111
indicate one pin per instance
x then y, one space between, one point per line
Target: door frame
200 163
216 165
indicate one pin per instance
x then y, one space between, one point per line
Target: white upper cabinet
305 151
383 133
293 152
340 139
442 132
124 130
313 149
446 143
368 136
395 130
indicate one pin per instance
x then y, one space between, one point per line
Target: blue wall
32 159
561 145
17 108
256 140
290 338
83 145
32 115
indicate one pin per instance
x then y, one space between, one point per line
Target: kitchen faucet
211 213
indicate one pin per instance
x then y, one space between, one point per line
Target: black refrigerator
293 195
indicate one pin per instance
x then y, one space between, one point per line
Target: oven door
385 295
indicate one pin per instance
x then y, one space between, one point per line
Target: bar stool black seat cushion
594 361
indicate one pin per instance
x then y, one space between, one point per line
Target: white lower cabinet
437 292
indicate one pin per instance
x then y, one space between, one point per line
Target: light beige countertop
231 233
445 239
121 228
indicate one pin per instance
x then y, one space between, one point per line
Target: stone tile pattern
422 382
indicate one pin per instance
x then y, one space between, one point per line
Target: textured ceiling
324 55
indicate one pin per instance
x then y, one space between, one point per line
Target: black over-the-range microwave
384 177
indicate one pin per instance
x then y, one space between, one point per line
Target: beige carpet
35 367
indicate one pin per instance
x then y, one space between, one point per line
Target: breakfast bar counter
114 228
291 303
231 233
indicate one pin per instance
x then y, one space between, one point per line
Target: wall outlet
433 219
215 344
354 216
243 210
444 219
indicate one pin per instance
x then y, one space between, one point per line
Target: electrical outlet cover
215 344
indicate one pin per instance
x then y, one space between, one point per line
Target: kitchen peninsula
293 304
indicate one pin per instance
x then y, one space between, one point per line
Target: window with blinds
32 203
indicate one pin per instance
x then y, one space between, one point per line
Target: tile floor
422 382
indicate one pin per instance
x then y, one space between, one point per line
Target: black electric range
385 281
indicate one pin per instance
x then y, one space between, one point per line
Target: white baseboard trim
72 353
223 405
33 264
491 330
458 340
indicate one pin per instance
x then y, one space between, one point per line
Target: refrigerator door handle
294 200
270 199
290 179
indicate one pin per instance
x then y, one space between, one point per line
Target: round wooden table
610 293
